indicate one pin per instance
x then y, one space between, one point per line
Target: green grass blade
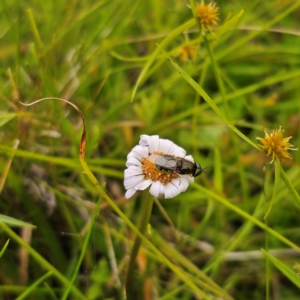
4 118
4 248
208 100
226 26
12 222
291 275
289 186
67 162
218 177
31 288
206 282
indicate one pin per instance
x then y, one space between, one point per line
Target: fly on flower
166 162
161 164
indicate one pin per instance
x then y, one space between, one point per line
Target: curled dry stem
83 136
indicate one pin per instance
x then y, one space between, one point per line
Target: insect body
179 165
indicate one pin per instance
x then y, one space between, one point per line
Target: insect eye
198 170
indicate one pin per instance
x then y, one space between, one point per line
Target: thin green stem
275 188
145 218
34 28
217 75
289 185
227 113
83 251
33 287
195 113
267 264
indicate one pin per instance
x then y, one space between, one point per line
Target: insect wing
165 162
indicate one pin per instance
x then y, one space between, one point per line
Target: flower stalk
275 188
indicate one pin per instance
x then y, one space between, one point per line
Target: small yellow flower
186 52
275 145
207 14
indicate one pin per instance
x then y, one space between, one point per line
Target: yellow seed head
275 145
207 14
186 52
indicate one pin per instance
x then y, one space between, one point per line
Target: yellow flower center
151 172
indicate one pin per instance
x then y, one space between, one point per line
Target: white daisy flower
161 164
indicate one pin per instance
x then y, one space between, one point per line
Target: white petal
184 184
155 188
189 157
133 171
144 140
170 148
129 193
166 146
147 142
151 145
188 178
171 190
178 151
161 191
178 183
133 161
137 148
142 150
130 182
156 143
143 185
139 153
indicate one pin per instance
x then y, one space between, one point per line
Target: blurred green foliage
93 53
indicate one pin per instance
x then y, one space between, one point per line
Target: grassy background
92 53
